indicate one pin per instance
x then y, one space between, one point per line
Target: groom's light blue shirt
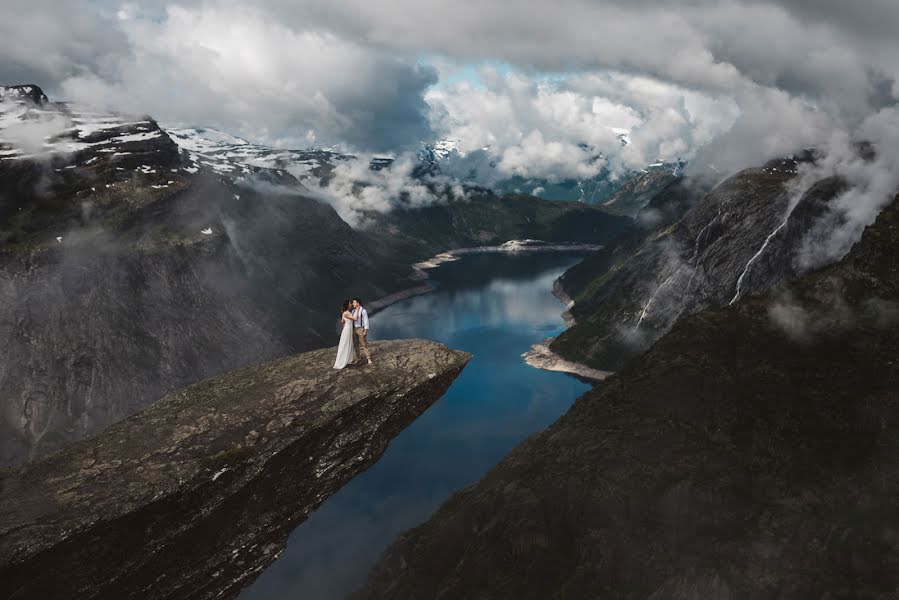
361 321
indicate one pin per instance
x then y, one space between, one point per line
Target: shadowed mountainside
701 250
750 453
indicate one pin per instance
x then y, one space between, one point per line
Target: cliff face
752 452
150 289
195 495
697 253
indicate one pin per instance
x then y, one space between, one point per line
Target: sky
536 89
527 80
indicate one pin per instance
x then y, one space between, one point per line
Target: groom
360 330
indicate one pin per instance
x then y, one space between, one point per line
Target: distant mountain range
228 154
603 188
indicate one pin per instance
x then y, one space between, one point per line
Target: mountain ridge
699 248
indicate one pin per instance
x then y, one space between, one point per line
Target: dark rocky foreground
195 495
751 453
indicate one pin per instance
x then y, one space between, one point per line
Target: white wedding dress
345 347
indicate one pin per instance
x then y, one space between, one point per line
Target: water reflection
494 306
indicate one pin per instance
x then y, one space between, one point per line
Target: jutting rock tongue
194 496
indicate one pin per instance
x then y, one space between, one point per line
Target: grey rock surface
193 496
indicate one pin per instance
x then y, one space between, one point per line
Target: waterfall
753 259
693 259
701 231
653 297
696 241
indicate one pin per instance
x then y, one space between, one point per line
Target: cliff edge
195 495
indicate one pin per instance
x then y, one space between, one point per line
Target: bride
345 347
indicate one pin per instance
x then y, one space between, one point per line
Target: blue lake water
494 306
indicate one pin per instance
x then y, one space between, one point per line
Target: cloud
871 185
29 130
556 128
770 123
356 190
804 324
351 70
728 83
241 70
43 42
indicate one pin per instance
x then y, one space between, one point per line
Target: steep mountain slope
637 191
131 265
751 453
128 276
732 241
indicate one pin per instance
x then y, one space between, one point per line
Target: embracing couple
353 336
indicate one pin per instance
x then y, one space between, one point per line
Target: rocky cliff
697 250
752 452
195 495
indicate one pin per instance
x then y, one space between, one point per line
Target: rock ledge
195 495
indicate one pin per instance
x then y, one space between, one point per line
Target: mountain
28 93
135 261
226 154
752 452
622 193
490 220
698 250
636 191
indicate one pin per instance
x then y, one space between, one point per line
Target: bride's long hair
346 306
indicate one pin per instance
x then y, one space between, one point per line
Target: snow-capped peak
623 135
201 139
225 153
29 128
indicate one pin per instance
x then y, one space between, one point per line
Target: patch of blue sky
452 73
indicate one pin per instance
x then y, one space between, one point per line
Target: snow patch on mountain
30 130
224 153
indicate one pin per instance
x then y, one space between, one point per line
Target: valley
170 424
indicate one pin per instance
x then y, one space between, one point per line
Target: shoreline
510 247
541 357
420 269
568 301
